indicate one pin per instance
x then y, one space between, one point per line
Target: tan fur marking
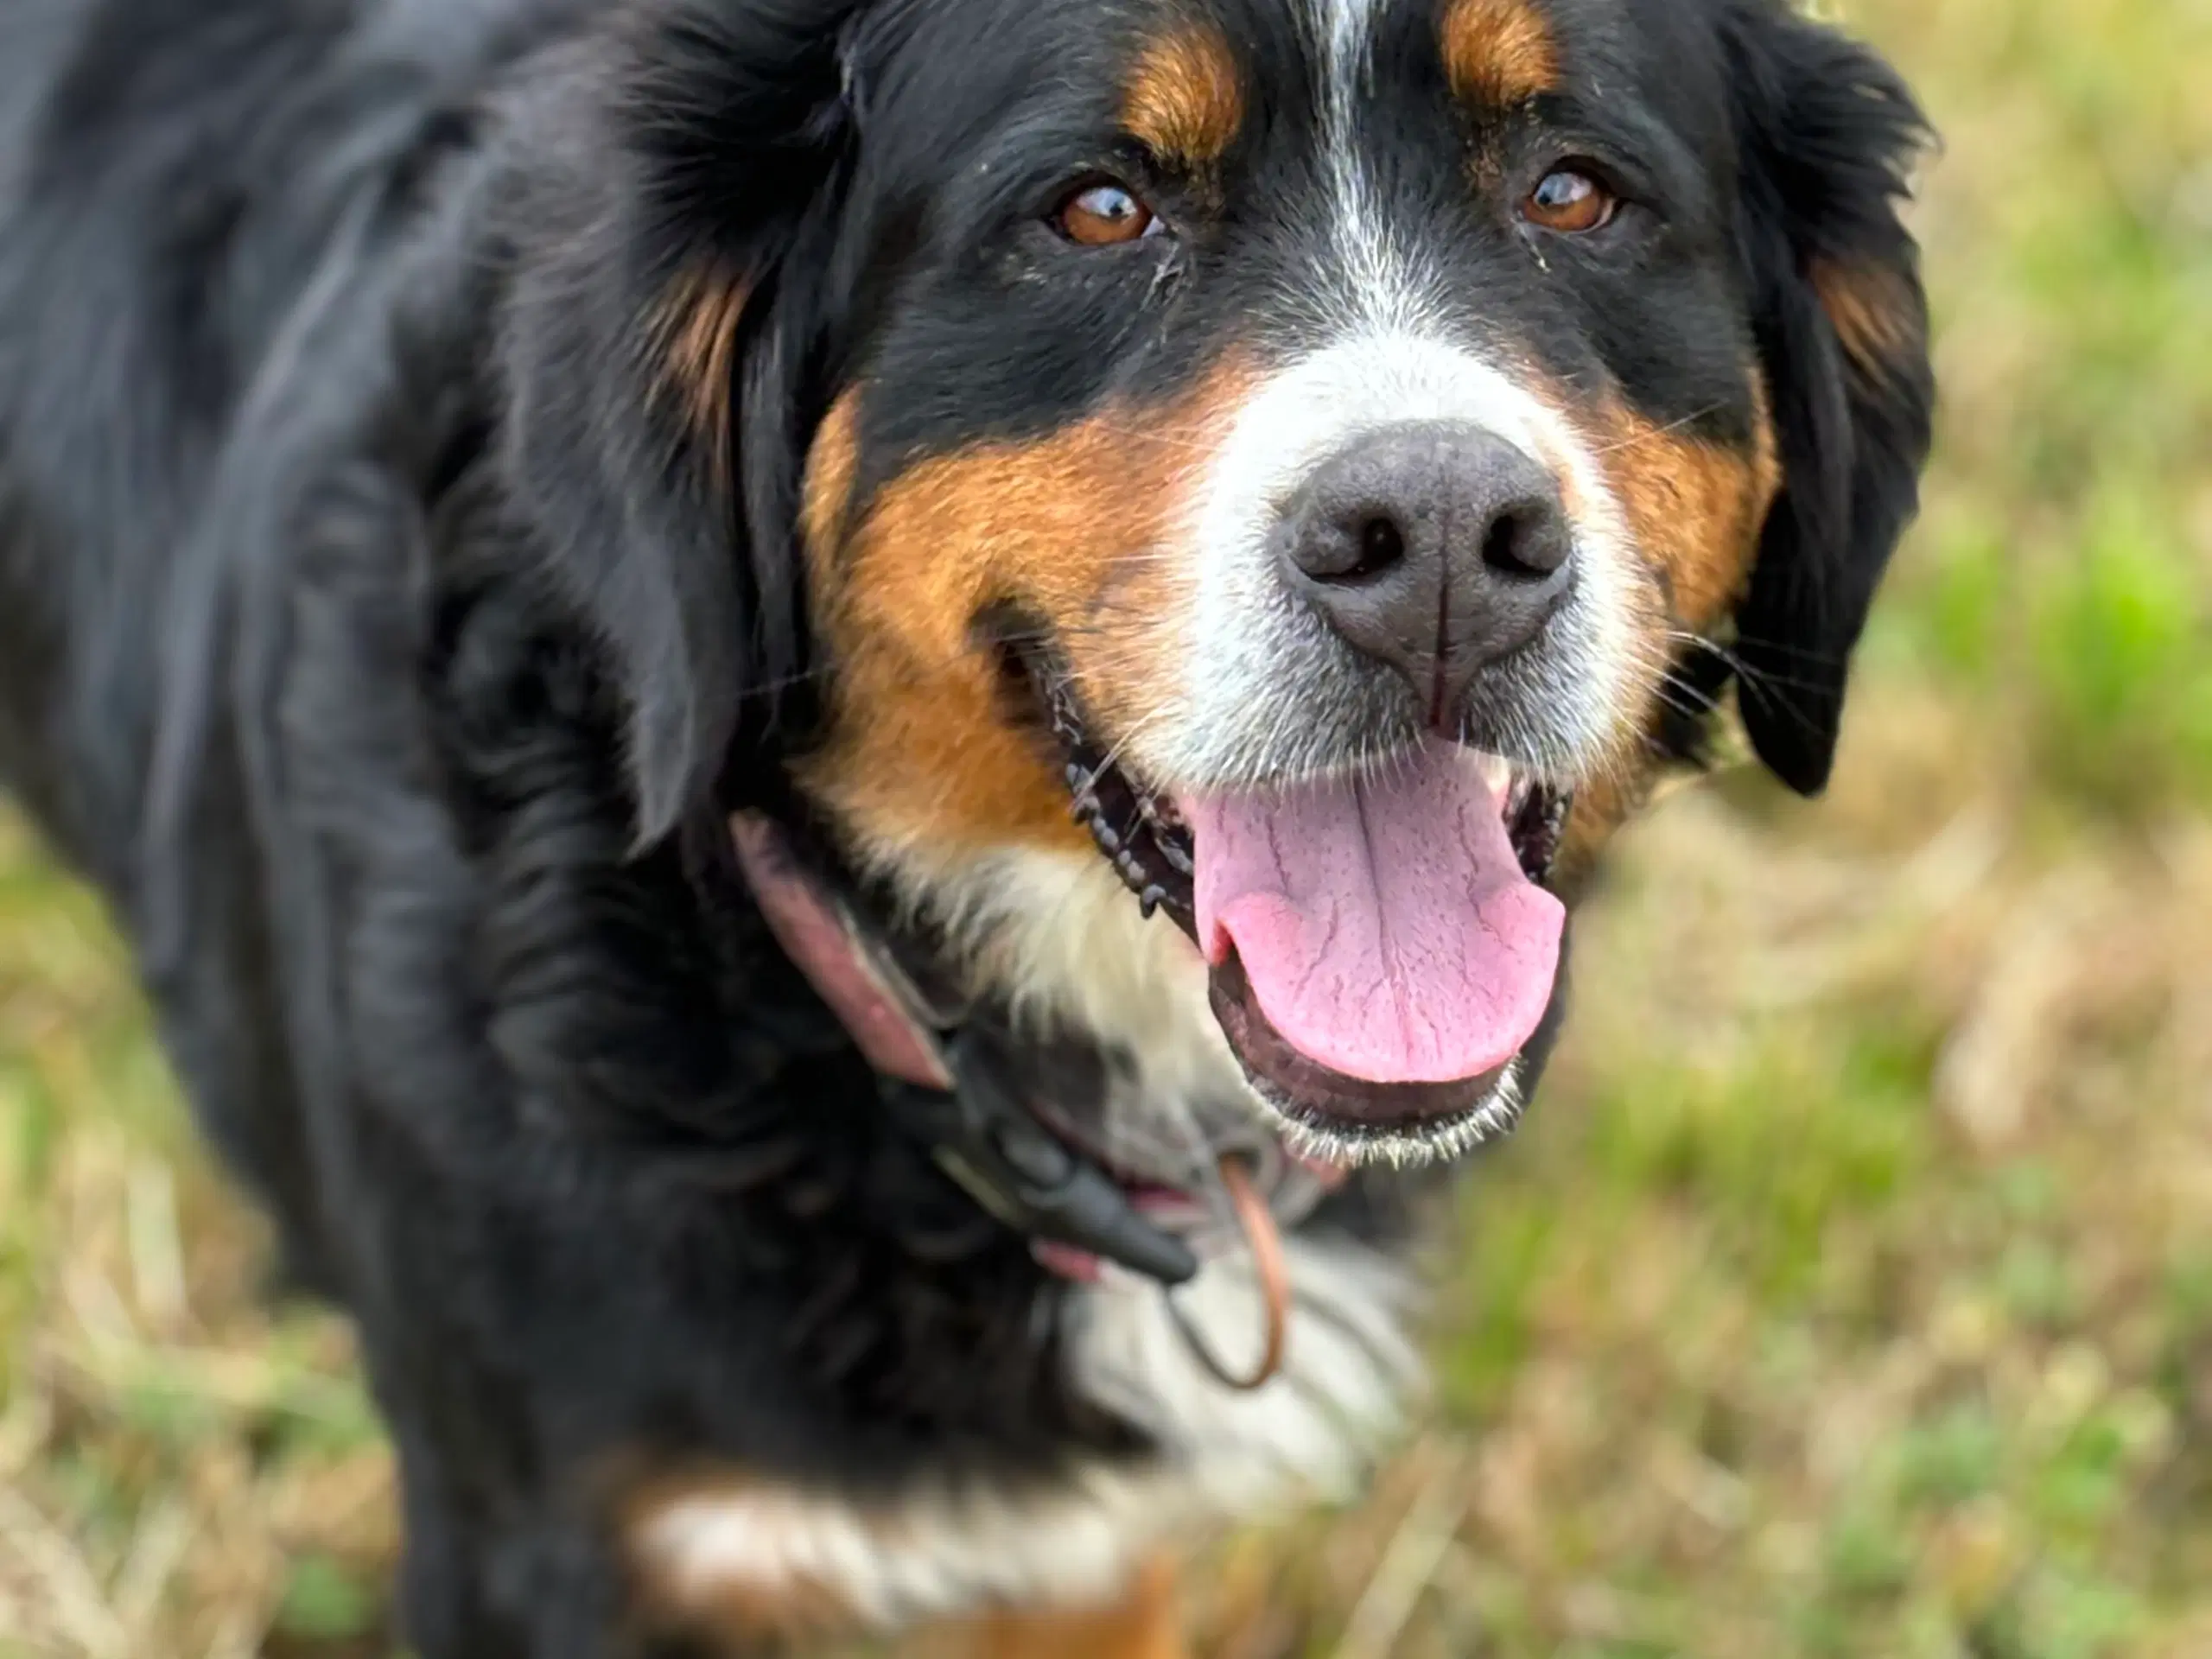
1872 310
1695 510
1184 101
1073 528
798 1612
697 329
1499 53
1146 1624
829 467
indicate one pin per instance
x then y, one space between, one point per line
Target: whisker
1658 432
1745 670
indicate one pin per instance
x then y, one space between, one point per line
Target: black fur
721 150
1828 133
377 636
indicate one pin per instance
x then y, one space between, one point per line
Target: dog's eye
1569 200
1104 216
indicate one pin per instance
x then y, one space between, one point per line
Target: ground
1850 1293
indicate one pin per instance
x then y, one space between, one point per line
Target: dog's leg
1145 1624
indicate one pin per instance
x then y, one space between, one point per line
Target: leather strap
863 988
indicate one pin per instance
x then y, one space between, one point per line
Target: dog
844 737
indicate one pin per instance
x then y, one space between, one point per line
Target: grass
1850 1294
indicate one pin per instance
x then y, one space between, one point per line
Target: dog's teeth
1140 835
1497 773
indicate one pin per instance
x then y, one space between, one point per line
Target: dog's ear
662 336
1826 134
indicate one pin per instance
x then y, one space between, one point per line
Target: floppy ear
658 354
1826 134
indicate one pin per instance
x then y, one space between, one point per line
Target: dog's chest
762 1558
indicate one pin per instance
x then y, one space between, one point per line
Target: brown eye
1570 202
1104 216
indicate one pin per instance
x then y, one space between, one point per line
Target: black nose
1435 547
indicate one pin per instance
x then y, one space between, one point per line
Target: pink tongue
1386 927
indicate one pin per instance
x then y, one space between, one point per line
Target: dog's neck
1048 1121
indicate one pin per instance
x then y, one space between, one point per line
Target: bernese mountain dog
843 735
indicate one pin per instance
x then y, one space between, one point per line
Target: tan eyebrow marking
1184 101
1499 53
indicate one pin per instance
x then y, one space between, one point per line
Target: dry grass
173 1465
1851 1293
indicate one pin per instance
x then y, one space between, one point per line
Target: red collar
863 987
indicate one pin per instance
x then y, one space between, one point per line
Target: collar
947 1082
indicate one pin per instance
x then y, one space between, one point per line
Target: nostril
1382 544
1524 544
1359 547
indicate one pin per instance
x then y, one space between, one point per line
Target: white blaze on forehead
1251 639
1376 280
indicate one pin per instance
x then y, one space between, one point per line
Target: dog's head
1288 462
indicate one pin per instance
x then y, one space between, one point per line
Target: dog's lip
1313 1092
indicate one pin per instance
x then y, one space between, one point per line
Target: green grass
1850 1293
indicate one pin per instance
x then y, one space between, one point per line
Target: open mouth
1381 946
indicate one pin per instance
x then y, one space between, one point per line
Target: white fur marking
1249 636
1349 1375
1061 937
1380 287
935 1554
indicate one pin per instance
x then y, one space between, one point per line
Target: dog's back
203 204
191 192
